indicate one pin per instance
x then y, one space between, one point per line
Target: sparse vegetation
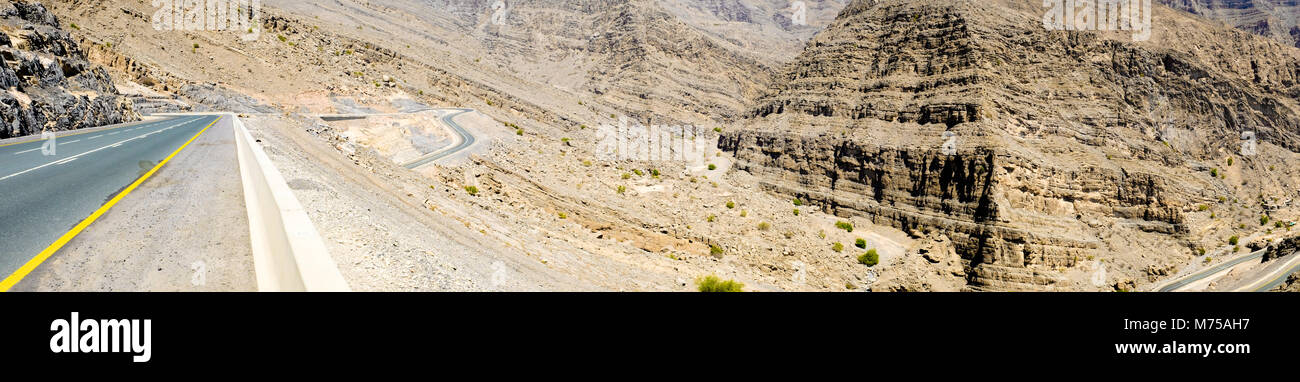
1263 220
844 225
622 190
870 259
473 191
1203 208
796 212
711 218
1214 172
712 167
563 215
731 205
764 226
744 213
860 243
716 251
837 247
798 202
712 283
1233 240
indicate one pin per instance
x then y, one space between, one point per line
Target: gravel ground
384 239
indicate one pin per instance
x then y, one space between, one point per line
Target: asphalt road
42 196
466 140
1189 279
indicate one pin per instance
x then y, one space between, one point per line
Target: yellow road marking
83 132
31 265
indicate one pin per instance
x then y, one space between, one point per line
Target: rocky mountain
1046 156
1276 19
49 84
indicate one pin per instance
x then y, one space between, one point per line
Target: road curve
1202 274
466 140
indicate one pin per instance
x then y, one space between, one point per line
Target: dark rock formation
48 83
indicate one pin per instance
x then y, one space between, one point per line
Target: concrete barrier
288 253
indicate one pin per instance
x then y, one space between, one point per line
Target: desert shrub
712 283
716 250
711 218
622 189
1233 240
473 191
712 167
1214 172
764 226
1203 208
1263 220
844 226
860 243
731 205
837 247
798 202
870 259
564 215
796 212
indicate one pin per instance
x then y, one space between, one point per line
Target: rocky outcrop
933 266
49 85
1031 149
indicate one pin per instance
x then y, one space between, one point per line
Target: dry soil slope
1065 146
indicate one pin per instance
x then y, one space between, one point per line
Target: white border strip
288 253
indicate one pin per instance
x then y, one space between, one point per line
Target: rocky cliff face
1033 150
1276 19
49 84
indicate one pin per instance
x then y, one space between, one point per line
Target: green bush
712 167
564 215
870 259
716 250
622 189
519 132
837 247
860 244
796 212
764 226
473 191
798 202
1203 207
711 218
1233 240
1263 220
731 205
1214 172
712 283
844 226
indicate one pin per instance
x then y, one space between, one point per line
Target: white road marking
97 136
28 151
